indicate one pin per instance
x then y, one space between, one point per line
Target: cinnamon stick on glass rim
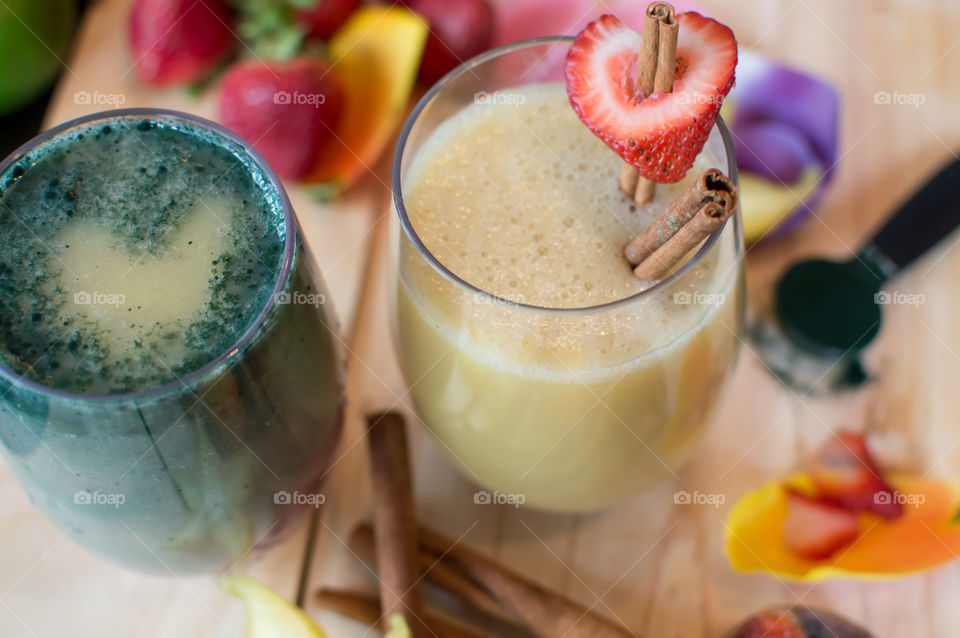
657 68
708 216
711 186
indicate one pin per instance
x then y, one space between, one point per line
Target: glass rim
449 275
232 353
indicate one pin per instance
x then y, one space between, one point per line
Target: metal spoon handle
931 214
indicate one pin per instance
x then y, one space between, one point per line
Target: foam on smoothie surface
135 251
552 238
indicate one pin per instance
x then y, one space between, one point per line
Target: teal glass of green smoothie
170 383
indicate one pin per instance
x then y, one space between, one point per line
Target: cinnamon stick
643 194
365 609
439 573
707 220
355 605
395 522
666 52
657 71
647 64
546 614
711 186
628 179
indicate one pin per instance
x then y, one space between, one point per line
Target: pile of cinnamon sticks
497 601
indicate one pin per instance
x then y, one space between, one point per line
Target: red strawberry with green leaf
179 41
660 135
287 110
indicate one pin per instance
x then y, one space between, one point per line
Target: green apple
34 38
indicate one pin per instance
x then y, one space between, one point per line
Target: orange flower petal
927 535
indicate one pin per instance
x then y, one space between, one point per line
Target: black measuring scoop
832 309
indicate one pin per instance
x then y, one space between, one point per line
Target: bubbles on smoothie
523 202
463 199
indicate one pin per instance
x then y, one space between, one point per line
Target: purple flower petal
783 122
772 150
802 102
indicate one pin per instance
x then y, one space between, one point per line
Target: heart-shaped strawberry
660 135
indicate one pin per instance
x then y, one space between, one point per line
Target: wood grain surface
655 566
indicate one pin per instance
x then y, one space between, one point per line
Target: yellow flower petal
927 535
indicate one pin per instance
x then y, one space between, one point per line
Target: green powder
134 252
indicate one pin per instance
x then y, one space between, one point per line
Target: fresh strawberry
459 30
845 472
815 529
179 41
663 134
287 110
772 623
326 16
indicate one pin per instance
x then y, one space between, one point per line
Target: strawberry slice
814 528
663 134
845 472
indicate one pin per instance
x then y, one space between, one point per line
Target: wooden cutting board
657 567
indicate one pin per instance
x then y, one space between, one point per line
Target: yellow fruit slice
398 627
375 55
765 204
268 614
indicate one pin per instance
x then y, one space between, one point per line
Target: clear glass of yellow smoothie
544 367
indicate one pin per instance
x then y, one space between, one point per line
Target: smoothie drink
533 354
168 377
